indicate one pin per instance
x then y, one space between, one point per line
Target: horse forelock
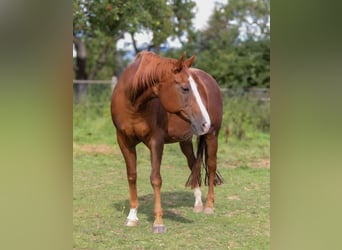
150 71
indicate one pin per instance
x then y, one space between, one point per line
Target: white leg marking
199 100
198 196
133 214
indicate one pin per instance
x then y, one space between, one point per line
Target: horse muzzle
200 128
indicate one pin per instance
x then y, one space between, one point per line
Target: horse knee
132 177
156 180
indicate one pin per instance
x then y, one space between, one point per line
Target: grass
242 203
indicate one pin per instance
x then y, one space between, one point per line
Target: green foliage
244 115
100 24
182 20
253 15
235 59
91 119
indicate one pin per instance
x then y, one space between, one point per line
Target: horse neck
143 99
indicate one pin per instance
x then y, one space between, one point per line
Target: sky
204 10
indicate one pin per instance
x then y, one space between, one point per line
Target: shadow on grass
171 203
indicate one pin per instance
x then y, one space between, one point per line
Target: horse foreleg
129 153
156 149
211 146
188 151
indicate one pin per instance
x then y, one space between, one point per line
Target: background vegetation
234 47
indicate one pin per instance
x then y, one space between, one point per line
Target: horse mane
151 69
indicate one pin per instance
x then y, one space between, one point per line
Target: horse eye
185 89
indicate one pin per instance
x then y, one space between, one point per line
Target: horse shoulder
149 121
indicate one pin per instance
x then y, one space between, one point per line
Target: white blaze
199 100
133 214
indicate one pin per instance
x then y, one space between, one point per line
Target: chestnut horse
162 100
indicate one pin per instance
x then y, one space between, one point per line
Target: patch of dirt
262 163
94 149
232 245
234 197
252 186
235 213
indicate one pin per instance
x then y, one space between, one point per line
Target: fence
263 94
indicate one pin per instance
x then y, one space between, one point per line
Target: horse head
178 93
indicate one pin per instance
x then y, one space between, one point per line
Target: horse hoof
159 229
131 223
209 210
198 209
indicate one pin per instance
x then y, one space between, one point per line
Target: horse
160 100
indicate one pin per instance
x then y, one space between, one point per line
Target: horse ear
181 60
179 64
189 61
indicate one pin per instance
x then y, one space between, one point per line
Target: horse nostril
205 126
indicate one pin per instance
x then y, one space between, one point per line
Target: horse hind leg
187 149
213 177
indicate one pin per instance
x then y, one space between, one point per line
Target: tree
80 69
235 46
182 20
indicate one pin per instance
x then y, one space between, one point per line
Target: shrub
244 115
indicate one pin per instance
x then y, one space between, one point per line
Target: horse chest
134 127
177 129
141 129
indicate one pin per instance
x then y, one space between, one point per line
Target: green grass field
242 203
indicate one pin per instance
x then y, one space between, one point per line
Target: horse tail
196 176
